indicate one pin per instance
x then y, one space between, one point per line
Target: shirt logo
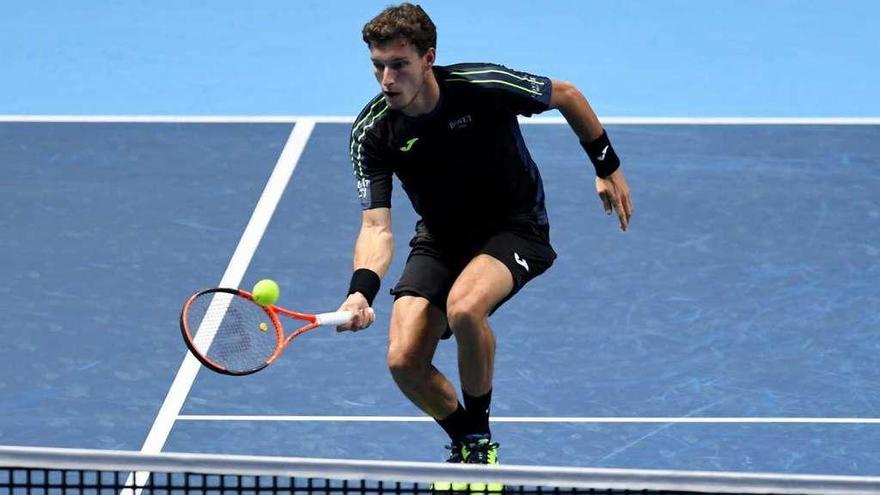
521 262
602 156
409 145
462 122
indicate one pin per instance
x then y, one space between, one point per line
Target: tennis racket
228 332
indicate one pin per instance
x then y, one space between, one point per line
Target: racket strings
231 331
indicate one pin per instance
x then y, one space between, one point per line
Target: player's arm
610 182
375 243
372 256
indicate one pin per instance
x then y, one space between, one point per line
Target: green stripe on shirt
486 81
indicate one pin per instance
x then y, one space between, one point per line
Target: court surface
732 328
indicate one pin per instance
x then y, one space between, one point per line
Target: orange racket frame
272 311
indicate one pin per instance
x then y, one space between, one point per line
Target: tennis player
451 136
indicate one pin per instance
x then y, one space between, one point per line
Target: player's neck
427 98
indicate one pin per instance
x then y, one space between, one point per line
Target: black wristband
366 282
602 155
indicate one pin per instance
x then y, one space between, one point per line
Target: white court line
547 419
342 119
235 271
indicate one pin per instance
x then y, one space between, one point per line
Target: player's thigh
416 327
505 263
428 274
483 283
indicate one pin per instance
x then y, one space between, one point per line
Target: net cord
421 472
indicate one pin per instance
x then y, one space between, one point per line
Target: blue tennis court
732 328
149 151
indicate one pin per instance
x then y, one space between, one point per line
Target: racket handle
335 319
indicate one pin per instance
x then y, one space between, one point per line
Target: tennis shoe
455 457
480 449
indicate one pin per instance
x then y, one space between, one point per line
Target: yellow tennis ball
264 327
266 292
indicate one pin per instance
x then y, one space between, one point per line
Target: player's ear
430 56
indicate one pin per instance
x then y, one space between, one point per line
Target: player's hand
614 194
363 316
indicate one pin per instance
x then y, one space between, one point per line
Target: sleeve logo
363 186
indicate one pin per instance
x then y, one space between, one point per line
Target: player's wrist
366 282
602 155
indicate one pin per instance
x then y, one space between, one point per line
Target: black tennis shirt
464 165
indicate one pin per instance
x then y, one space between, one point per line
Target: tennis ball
264 327
266 292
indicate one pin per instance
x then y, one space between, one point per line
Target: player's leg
480 287
416 326
418 320
483 283
505 263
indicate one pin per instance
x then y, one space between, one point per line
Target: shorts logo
521 262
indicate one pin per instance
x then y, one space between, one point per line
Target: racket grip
335 318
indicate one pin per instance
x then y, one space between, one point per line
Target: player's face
400 71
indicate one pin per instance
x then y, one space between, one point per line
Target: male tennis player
451 136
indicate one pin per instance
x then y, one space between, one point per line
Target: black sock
478 411
456 424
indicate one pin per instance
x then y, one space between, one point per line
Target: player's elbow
564 94
377 220
377 230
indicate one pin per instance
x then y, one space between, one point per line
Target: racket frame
271 311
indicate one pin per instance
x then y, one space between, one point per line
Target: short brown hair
406 21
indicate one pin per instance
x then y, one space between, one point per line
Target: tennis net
52 471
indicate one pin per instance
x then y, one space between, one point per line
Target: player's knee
404 365
465 314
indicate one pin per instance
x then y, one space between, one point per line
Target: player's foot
455 457
480 449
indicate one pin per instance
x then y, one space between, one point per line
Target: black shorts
433 266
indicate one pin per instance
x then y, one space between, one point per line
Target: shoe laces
478 452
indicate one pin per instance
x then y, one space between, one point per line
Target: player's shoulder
469 70
373 112
486 74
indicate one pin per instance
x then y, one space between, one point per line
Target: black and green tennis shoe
480 449
455 457
474 449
